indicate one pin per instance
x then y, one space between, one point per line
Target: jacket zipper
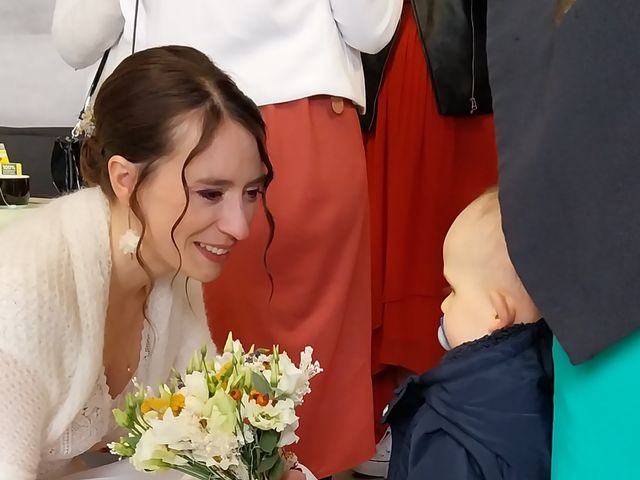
384 69
472 99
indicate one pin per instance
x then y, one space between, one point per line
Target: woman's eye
253 193
210 195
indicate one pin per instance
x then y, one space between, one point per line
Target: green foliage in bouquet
228 417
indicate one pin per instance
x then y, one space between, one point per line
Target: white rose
195 385
291 377
178 433
270 417
216 449
289 436
151 454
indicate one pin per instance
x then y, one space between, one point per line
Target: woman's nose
235 220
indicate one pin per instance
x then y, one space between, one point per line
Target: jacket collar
477 360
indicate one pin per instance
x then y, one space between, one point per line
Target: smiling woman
191 174
177 164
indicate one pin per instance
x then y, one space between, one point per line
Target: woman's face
224 183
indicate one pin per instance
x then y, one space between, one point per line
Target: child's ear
505 313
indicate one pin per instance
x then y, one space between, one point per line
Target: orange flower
262 400
235 394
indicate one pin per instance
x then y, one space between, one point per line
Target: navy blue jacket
485 412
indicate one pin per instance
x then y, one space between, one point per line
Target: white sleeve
23 419
83 29
367 25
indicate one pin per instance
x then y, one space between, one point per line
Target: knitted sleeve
25 408
367 25
83 30
29 360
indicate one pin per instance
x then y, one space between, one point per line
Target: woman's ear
123 176
505 313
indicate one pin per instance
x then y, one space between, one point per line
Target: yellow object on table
6 167
4 156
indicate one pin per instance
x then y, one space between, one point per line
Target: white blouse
94 426
276 50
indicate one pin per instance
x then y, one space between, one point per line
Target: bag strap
95 81
103 62
135 28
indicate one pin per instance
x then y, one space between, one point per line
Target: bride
104 284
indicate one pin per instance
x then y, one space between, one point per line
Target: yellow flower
175 402
223 370
156 404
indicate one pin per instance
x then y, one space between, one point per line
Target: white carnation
270 417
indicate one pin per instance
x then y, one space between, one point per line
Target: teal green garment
596 429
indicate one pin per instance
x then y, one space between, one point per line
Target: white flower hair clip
86 125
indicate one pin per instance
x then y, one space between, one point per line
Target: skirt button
337 104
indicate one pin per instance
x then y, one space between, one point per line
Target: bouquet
226 418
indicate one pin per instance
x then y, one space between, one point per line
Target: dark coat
484 413
568 123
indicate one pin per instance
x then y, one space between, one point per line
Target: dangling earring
129 240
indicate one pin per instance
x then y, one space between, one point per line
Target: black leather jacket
453 34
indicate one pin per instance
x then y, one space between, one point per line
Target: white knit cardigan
54 285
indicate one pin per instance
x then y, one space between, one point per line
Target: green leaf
122 450
268 463
268 441
275 371
228 346
212 383
260 383
277 471
122 419
238 382
133 441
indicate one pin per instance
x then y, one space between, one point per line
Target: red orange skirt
320 262
423 170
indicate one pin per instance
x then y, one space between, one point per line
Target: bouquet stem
199 474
